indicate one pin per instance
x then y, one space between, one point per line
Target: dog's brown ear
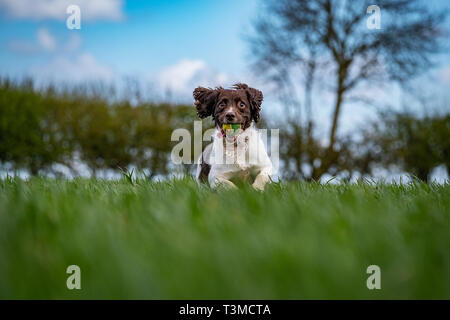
205 101
255 97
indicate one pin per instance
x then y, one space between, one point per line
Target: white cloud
444 75
56 9
73 69
181 78
23 47
66 62
46 40
74 43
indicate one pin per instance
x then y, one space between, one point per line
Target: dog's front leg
260 181
221 181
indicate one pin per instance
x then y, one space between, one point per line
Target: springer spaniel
237 151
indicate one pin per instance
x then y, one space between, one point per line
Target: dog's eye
222 104
242 105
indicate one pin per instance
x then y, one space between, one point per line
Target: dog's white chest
236 154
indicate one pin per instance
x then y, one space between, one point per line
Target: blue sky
138 38
175 45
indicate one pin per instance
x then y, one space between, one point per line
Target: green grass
178 240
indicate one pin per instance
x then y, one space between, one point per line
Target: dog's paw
258 186
224 184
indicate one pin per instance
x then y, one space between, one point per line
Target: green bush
40 128
416 145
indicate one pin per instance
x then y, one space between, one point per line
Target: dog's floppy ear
255 97
205 101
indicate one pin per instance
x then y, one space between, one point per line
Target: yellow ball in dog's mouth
231 128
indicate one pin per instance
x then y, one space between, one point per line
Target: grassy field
177 240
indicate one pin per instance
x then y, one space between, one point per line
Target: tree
298 40
30 134
416 145
65 127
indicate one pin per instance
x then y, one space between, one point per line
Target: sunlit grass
176 239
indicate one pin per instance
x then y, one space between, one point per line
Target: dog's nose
230 116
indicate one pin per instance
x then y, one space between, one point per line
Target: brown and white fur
228 158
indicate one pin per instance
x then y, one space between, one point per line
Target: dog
234 155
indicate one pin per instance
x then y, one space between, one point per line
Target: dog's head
239 105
